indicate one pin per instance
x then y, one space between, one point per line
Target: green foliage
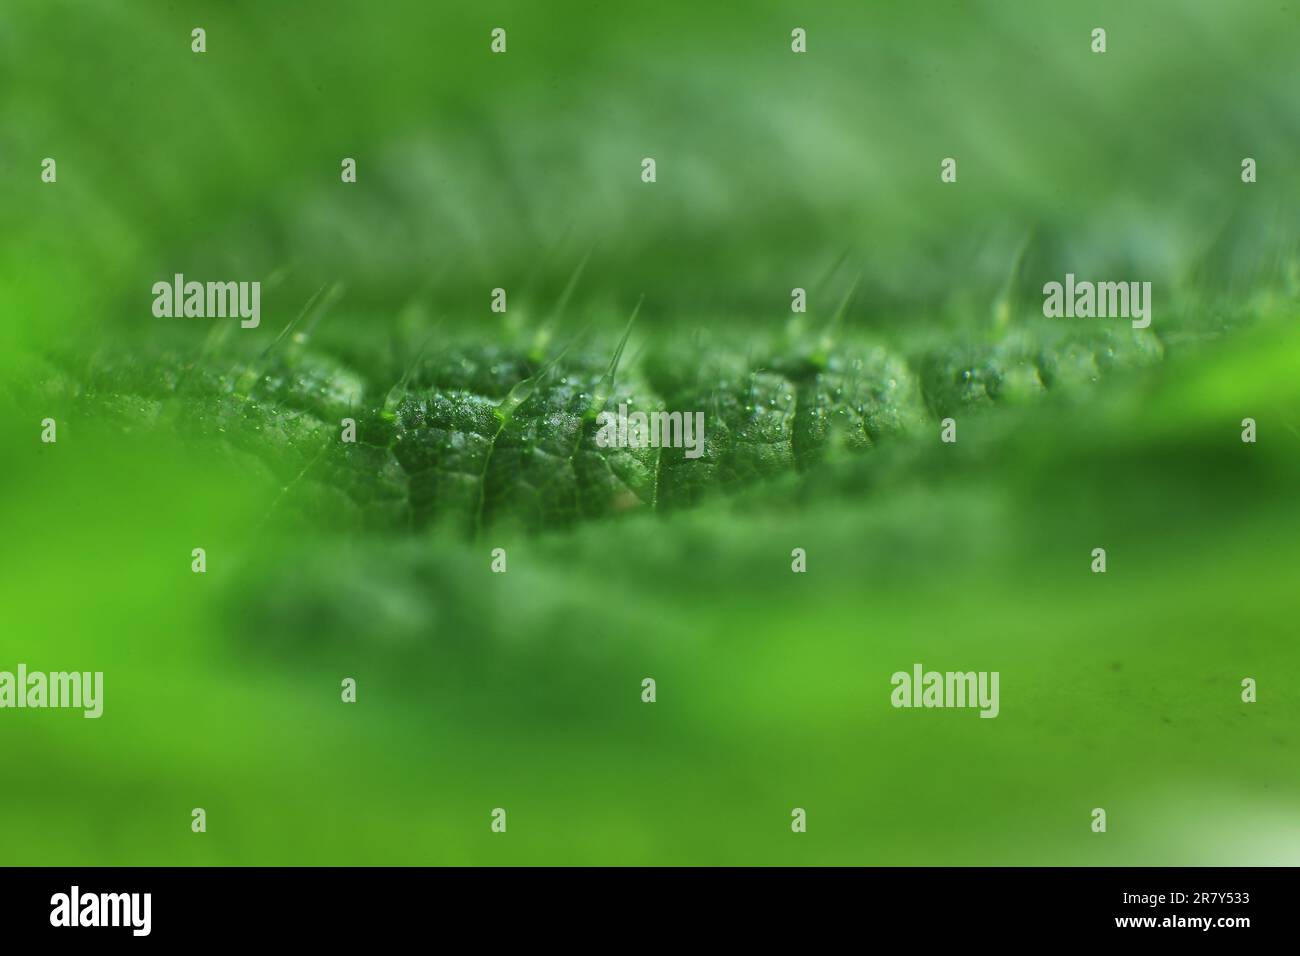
475 430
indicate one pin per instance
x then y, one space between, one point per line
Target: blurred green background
522 690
